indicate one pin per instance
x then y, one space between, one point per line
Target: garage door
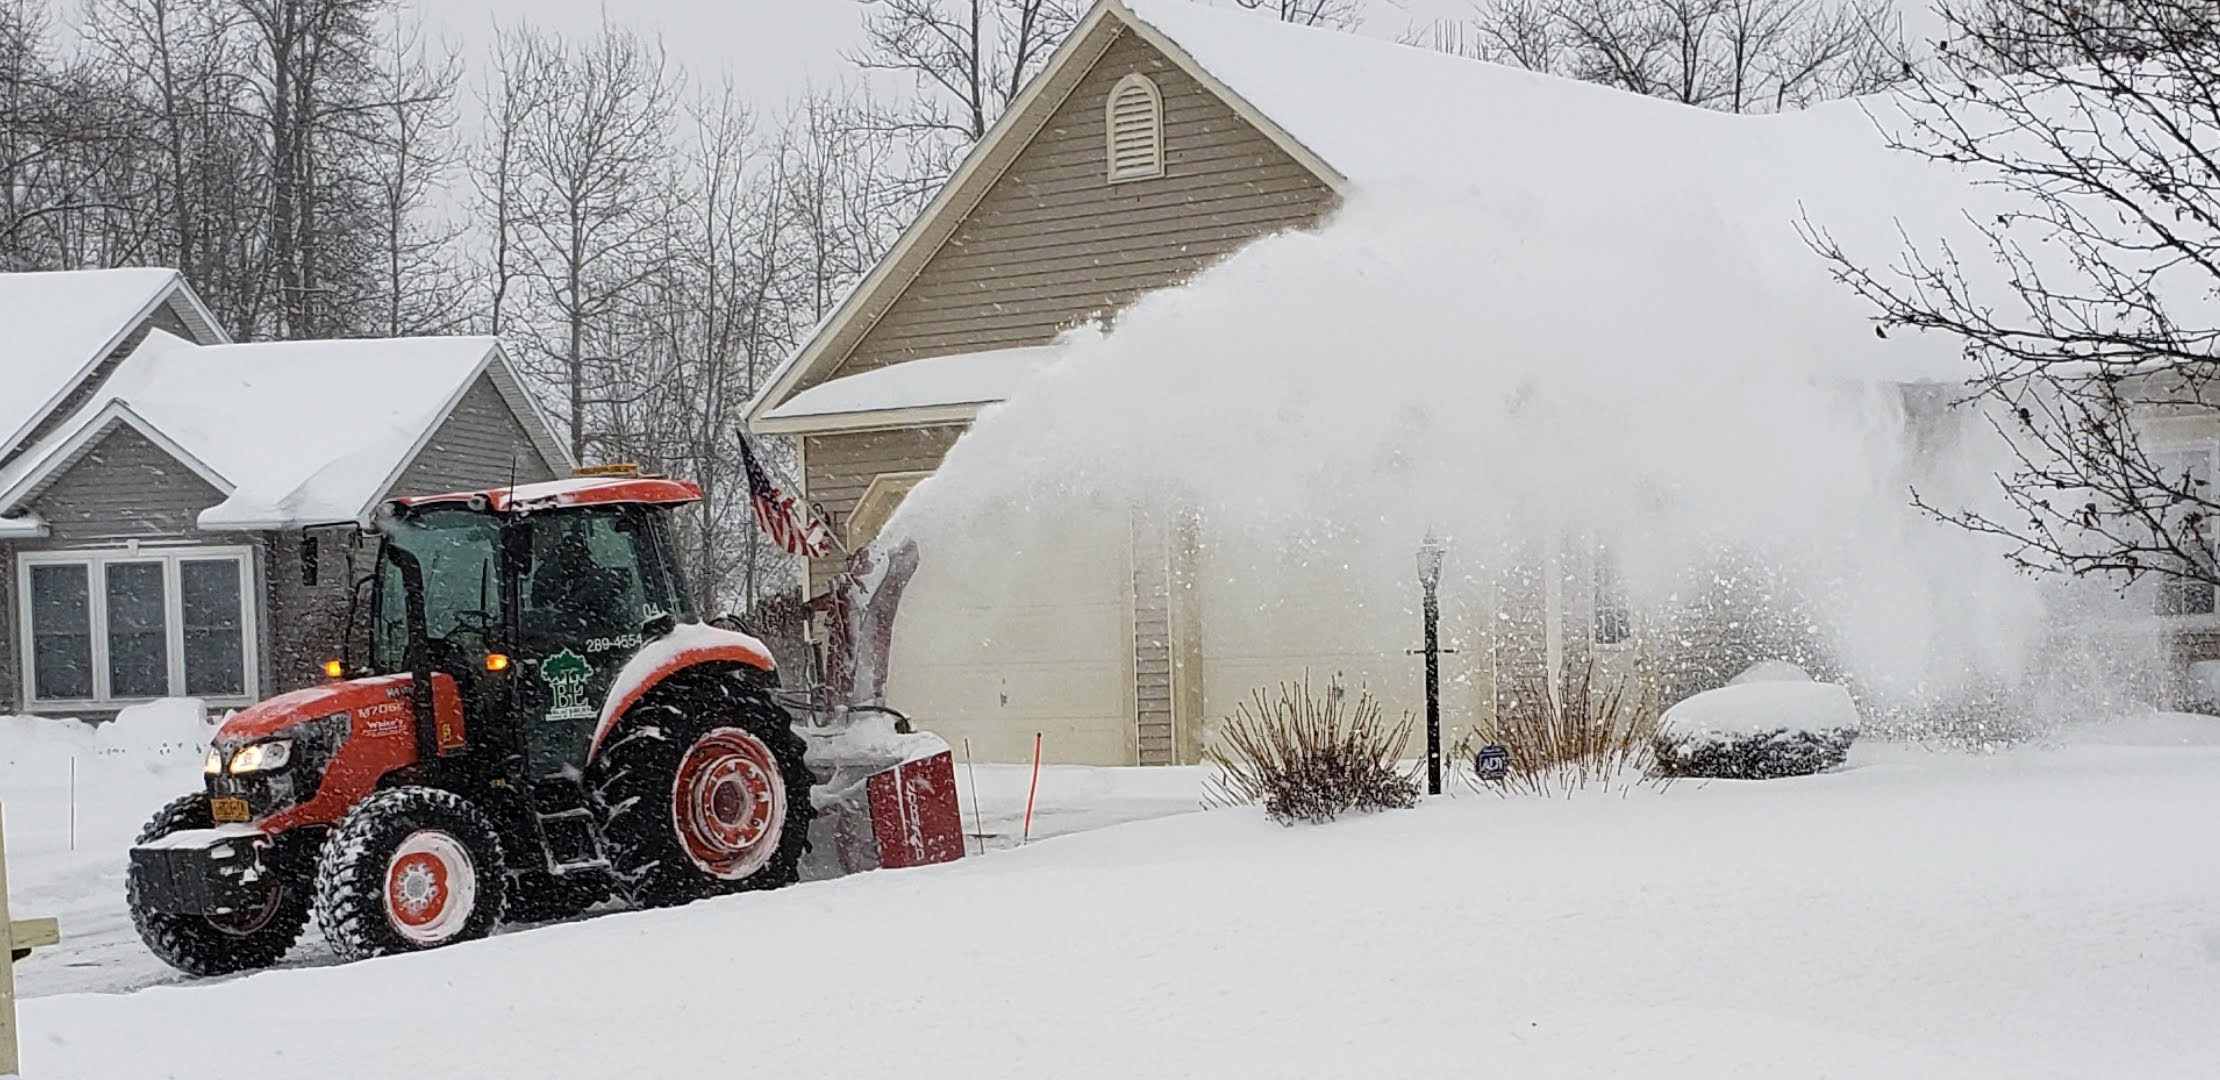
1271 617
1035 637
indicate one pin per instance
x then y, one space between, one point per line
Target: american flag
778 513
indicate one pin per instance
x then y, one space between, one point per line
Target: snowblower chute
886 795
539 723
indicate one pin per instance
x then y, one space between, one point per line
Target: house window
1613 622
1136 129
2193 464
108 627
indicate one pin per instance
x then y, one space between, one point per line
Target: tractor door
584 603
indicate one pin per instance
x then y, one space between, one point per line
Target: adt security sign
1493 762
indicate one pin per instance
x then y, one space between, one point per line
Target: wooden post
17 939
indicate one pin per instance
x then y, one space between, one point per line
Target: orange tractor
541 723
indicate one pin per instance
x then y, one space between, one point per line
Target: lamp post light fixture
1430 554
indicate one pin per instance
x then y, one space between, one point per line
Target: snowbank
1939 934
76 795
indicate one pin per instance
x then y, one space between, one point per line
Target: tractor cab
531 600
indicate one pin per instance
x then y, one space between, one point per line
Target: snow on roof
298 433
1397 118
977 378
56 326
1402 121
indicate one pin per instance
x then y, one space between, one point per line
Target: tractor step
569 837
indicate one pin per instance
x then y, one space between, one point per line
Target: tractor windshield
459 553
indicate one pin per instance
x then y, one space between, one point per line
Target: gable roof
56 327
293 433
1370 115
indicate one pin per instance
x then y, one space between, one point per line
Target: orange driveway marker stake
1032 790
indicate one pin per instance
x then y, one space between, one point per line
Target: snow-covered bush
1593 733
1311 756
1772 722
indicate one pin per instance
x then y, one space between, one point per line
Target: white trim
882 482
424 437
173 292
813 353
1153 98
25 527
494 367
58 460
873 419
530 413
96 562
1293 147
972 182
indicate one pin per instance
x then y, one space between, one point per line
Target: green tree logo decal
565 674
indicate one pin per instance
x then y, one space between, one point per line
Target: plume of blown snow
1498 376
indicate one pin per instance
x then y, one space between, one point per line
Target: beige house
1161 137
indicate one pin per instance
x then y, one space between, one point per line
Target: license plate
228 809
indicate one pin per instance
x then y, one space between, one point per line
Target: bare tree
511 95
589 204
967 60
418 286
1340 13
2087 315
180 67
1730 55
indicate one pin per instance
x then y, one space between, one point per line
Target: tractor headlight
262 756
214 766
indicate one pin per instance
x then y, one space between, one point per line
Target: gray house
176 510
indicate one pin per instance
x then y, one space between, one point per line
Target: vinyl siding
840 467
125 488
1053 243
481 445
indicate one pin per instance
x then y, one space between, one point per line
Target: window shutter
1136 123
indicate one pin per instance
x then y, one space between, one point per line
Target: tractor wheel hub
728 804
430 887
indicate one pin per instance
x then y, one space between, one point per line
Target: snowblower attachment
885 795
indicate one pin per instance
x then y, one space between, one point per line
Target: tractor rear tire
216 944
702 791
409 869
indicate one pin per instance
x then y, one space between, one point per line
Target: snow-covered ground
124 771
2046 912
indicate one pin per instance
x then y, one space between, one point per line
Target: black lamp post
1429 581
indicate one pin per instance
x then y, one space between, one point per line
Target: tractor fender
687 646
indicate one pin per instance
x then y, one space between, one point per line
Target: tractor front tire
702 791
216 944
409 869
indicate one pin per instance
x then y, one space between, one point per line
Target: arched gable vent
1136 123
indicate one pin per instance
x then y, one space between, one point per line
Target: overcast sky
772 48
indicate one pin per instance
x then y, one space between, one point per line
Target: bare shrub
1311 756
1591 734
